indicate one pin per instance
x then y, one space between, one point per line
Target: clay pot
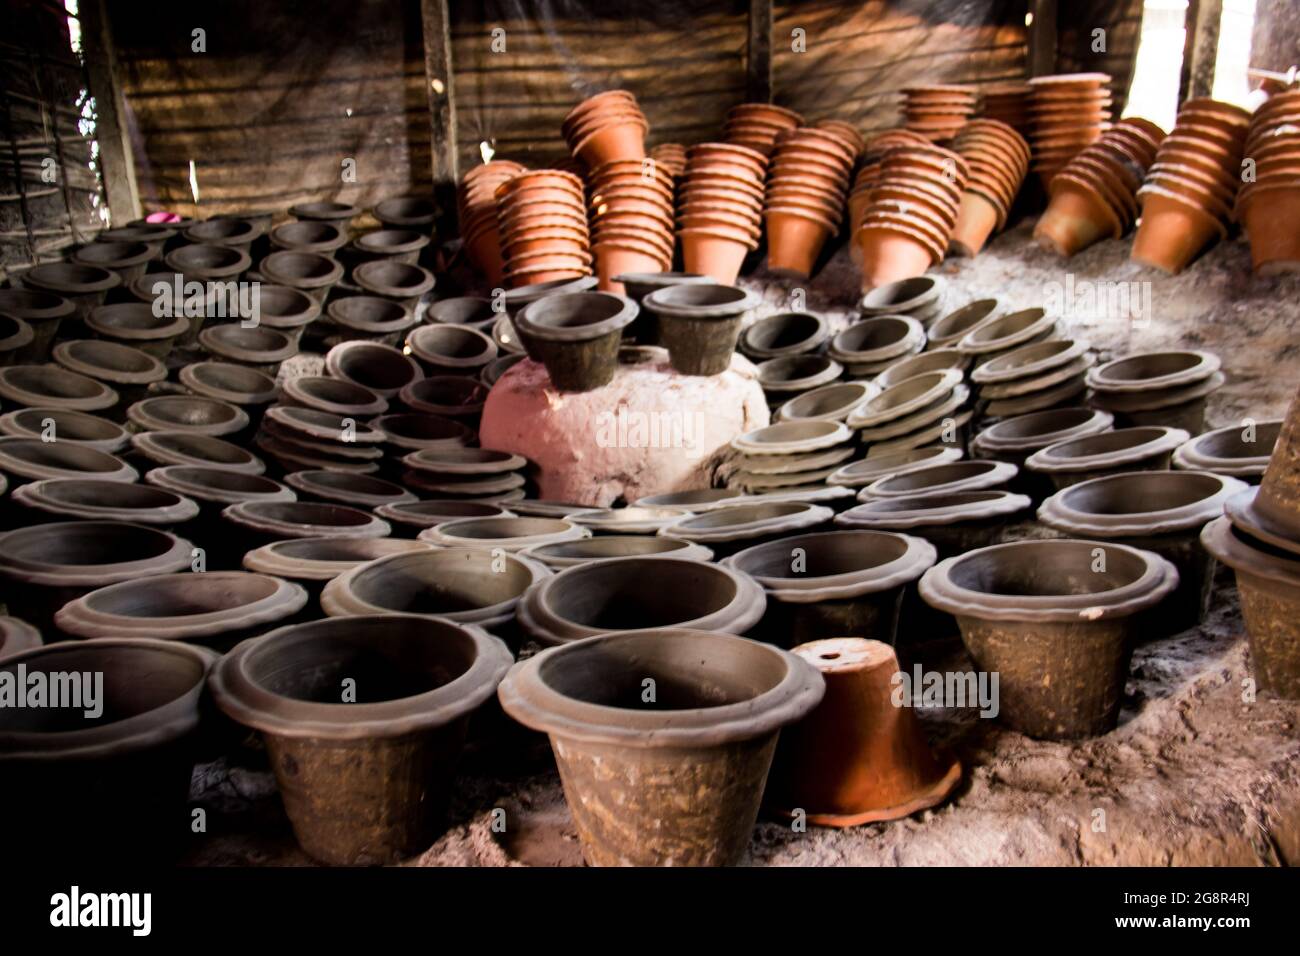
1241 451
451 349
921 363
137 757
785 333
635 519
796 374
128 258
568 554
833 582
948 331
128 371
321 238
400 281
15 336
638 285
418 680
337 213
83 285
58 562
1077 216
869 346
405 212
260 522
857 757
834 403
95 499
792 438
370 317
699 324
919 393
264 348
313 562
464 585
1268 580
863 472
1160 511
729 530
1179 407
239 385
452 396
470 311
954 523
996 336
382 369
49 386
502 534
716 721
1069 462
286 309
185 448
795 237
309 272
77 428
409 518
921 298
1015 439
236 233
1172 231
134 324
360 491
193 414
32 459
973 475
1057 630
43 311
16 636
696 501
577 336
336 396
399 245
414 432
1157 388
206 263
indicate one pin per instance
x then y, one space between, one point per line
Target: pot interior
110 355
232 378
1155 365
1046 569
824 400
964 319
223 479
743 514
397 275
441 581
871 334
1105 443
1230 442
98 493
932 502
906 391
696 295
784 330
701 496
130 316
1007 325
368 308
257 339
190 411
86 543
306 513
52 381
302 265
206 257
689 672
170 676
451 340
73 426
494 528
926 478
387 658
280 301
575 310
1027 356
203 447
182 595
357 550
639 593
376 366
307 233
347 481
1140 492
1041 423
823 555
335 391
55 455
792 368
611 546
898 293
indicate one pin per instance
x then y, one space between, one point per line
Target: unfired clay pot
78 428
568 554
1241 451
503 534
31 459
728 530
94 499
1125 449
184 448
49 386
699 324
576 336
409 518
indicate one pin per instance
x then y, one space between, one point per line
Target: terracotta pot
714 253
1273 250
381 368
76 428
857 757
719 723
137 756
1268 581
1056 630
1160 511
418 681
700 324
58 562
1124 450
1241 451
891 253
568 554
795 239
32 459
1172 230
976 222
184 448
96 499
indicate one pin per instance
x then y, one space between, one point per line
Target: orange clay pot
794 239
619 141
716 253
975 223
856 757
1172 231
1076 217
616 258
1269 214
890 254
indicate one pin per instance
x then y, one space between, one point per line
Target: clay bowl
137 754
127 258
717 720
1123 450
470 311
850 582
577 336
241 385
193 414
127 370
416 431
882 339
382 369
308 272
398 245
49 386
261 347
405 212
418 680
835 402
1015 439
948 331
503 534
134 324
795 374
95 499
1241 451
409 518
369 317
944 478
43 311
32 459
1160 511
921 363
568 554
322 238
360 491
83 285
185 448
863 472
700 324
257 523
451 349
57 562
694 502
464 585
281 307
77 428
1025 610
451 396
734 528
336 396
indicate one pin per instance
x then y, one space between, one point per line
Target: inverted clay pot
857 757
1268 581
1241 451
1160 511
576 336
622 761
94 499
136 757
79 428
1173 230
699 324
381 368
1125 449
732 529
568 554
1056 630
365 782
834 582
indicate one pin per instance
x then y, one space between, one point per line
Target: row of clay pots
1265 206
719 208
1156 388
1068 111
477 211
998 158
803 204
1094 196
631 212
606 128
1187 198
757 125
542 227
937 112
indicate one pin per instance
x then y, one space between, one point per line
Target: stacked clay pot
1156 388
476 200
845 131
1043 373
1267 207
1189 191
869 171
671 158
542 223
1008 103
757 125
998 157
788 455
1068 111
1095 195
804 201
719 208
606 127
912 212
931 408
464 473
938 112
631 213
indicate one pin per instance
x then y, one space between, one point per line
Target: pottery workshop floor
1194 775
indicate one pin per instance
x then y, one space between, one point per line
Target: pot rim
1064 377
613 520
847 475
361 276
995 475
830 434
175 260
103 396
118 738
60 308
725 497
33 495
991 305
869 304
1217 537
147 444
1189 456
918 555
189 377
244 514
906 344
945 382
886 378
1241 508
487 345
294 389
270 559
1057 511
994 371
1162 398
365 242
1045 321
1097 421
244 700
214 340
11 426
526 696
1156 582
820 332
337 310
140 415
1163 439
269 267
660 302
335 357
398 511
307 481
528 321
49 574
927 417
686 550
934 509
34 471
428 459
804 515
37 276
187 480
866 391
445 534
831 371
1206 365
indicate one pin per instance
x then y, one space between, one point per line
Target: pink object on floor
163 217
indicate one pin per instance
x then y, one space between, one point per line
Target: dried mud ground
1196 773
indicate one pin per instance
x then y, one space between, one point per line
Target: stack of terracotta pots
1095 195
938 112
869 172
845 131
912 213
998 157
671 158
606 127
720 205
631 206
476 199
1267 208
542 223
1008 103
804 202
1068 112
1260 540
757 125
1189 192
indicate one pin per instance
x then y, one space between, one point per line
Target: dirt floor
1197 773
